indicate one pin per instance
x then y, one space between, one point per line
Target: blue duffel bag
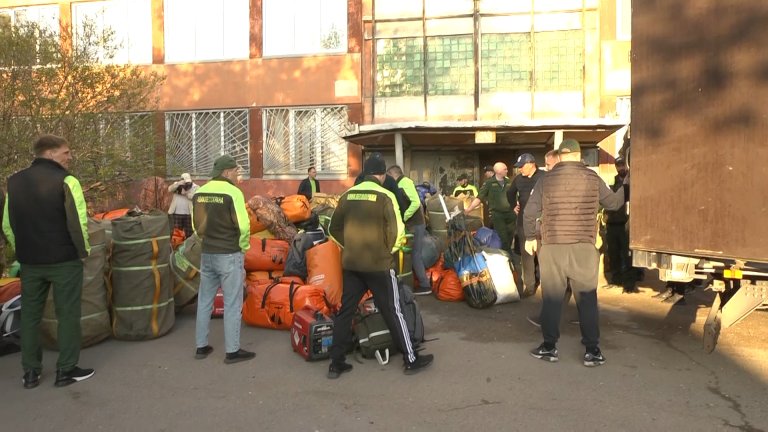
488 238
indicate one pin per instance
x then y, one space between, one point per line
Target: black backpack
412 314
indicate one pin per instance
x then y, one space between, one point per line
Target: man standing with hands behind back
567 199
45 220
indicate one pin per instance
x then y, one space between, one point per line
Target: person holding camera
181 204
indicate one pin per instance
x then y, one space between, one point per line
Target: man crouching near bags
368 226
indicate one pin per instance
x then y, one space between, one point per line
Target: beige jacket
181 203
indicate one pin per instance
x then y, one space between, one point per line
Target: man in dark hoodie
389 184
368 226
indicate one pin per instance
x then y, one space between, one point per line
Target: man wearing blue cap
518 194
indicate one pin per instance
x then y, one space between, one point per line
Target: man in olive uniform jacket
494 193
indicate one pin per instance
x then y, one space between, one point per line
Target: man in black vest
567 199
45 221
518 195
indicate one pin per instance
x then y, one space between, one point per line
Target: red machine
311 334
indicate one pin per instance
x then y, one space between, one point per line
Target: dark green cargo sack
94 321
373 337
141 290
185 266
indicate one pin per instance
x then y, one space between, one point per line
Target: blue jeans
225 271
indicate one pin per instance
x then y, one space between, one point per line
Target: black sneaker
336 369
534 320
421 363
72 376
422 291
203 352
544 353
31 379
593 358
631 290
238 356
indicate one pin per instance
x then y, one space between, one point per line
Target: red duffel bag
296 208
266 254
447 287
272 305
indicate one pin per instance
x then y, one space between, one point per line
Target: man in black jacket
45 220
567 199
518 195
622 273
310 185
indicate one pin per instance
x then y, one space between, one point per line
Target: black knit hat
374 166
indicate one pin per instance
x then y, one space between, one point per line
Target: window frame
267 30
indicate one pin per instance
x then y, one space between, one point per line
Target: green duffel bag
94 321
185 266
141 288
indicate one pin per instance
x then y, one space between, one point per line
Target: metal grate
298 138
194 139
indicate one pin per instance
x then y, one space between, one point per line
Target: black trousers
577 265
386 296
617 243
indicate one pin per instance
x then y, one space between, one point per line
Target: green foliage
51 83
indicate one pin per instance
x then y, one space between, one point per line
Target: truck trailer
699 149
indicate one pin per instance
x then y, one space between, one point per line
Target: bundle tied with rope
462 255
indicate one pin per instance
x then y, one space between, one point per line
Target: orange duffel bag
447 287
257 276
272 305
9 288
324 269
266 254
296 208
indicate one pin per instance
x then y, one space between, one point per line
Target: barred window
298 138
559 60
399 67
195 139
450 66
506 62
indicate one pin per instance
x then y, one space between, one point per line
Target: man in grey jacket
567 199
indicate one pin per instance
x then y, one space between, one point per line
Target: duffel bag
185 266
296 208
270 214
324 269
272 305
488 238
501 275
263 275
255 224
266 254
447 287
319 198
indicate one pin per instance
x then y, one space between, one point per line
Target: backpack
373 337
412 315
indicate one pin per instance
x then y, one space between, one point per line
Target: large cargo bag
319 198
185 266
324 270
141 290
501 275
266 254
94 313
9 288
272 305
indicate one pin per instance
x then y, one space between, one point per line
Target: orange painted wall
322 80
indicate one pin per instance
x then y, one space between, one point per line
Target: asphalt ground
657 377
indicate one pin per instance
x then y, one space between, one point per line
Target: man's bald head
500 169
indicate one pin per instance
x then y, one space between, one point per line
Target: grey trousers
577 265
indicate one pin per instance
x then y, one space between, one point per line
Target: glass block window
450 66
399 67
298 138
195 139
506 62
559 57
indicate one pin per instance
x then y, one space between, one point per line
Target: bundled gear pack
501 273
324 270
185 266
94 311
469 264
312 334
273 304
141 291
